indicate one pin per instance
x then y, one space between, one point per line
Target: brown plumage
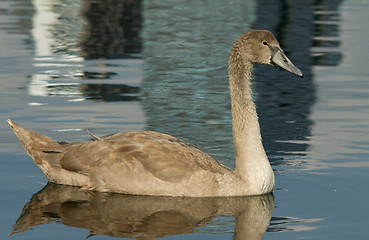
152 163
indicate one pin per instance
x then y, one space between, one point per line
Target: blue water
162 65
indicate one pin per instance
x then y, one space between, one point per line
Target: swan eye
265 43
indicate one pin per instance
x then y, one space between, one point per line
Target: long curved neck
251 159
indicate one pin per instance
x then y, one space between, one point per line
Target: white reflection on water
341 115
41 31
61 58
59 30
281 224
47 19
40 86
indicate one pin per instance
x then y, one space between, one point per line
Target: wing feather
165 157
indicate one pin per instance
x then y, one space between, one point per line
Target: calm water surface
162 65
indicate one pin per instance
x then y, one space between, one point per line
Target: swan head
260 46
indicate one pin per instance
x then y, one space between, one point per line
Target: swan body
152 163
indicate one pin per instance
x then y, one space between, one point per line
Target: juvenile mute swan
152 163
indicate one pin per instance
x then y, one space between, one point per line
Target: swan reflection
142 217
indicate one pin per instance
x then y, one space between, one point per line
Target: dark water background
115 66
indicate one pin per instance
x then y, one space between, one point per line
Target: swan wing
165 157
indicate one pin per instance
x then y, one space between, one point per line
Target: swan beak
281 60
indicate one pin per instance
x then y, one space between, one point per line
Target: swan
153 163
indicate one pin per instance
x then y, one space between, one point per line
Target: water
161 65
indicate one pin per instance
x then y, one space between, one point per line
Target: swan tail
38 146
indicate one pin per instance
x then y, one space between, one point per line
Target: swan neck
249 150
